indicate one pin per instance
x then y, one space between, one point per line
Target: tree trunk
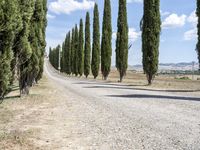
105 78
149 78
121 79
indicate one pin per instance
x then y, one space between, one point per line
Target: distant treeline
22 43
75 54
180 72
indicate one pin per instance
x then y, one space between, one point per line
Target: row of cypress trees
76 52
77 48
22 43
101 55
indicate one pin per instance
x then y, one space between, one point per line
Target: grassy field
161 82
14 133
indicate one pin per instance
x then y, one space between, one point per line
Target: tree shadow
138 89
11 97
156 97
110 83
8 98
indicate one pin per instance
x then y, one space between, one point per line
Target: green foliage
122 40
54 57
72 50
87 46
183 78
80 49
151 27
22 42
198 31
76 46
63 59
106 42
96 43
68 54
8 15
43 36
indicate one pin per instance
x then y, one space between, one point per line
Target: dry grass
163 82
13 118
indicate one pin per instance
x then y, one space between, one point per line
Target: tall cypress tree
122 40
43 37
64 54
87 46
17 31
106 42
72 51
63 58
151 27
80 49
68 53
198 31
96 43
56 55
23 44
76 46
50 55
8 26
36 42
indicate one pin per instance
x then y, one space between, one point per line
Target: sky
178 36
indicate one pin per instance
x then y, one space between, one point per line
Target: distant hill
170 66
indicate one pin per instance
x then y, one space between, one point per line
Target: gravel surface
93 115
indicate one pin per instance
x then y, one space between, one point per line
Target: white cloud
133 35
164 13
174 21
190 35
68 6
136 1
49 16
193 18
114 35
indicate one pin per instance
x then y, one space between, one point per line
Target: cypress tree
17 30
96 43
68 54
76 46
35 39
63 58
87 46
8 15
23 46
80 49
56 57
198 31
151 27
106 42
43 37
122 40
72 50
64 54
50 55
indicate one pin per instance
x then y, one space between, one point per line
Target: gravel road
118 117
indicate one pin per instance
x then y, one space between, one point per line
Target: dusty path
75 114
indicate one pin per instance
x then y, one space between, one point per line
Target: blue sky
178 37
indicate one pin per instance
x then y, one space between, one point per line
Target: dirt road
76 114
